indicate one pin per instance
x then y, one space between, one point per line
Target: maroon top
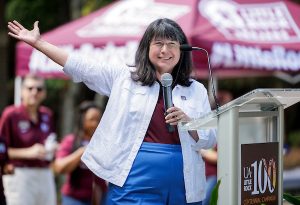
79 183
100 182
3 160
20 132
211 169
157 131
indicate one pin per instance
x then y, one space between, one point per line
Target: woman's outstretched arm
33 38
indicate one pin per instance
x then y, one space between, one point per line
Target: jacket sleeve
207 137
98 76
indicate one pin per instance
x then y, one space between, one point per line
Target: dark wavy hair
145 71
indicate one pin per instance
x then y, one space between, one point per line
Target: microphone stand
186 47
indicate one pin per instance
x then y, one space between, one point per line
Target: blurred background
64 96
51 14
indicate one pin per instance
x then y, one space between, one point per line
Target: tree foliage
52 13
92 5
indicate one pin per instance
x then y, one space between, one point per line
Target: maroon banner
241 36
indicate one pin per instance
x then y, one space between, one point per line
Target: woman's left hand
175 115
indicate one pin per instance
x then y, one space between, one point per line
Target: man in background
25 130
3 160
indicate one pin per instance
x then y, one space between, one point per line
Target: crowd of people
128 146
28 147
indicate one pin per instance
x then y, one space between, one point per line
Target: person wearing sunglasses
132 147
25 129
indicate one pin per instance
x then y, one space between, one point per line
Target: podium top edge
254 101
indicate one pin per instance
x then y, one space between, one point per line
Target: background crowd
29 141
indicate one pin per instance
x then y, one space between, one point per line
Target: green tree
4 57
52 13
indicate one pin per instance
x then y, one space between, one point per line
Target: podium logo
259 173
260 177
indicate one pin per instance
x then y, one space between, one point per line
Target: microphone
187 48
166 81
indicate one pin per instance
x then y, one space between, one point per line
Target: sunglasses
38 89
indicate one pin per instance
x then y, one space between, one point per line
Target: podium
250 145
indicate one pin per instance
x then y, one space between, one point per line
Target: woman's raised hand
33 38
19 32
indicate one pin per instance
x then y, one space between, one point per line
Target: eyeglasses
38 89
170 45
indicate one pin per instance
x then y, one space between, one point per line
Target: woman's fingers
175 115
13 26
172 115
18 24
13 35
12 30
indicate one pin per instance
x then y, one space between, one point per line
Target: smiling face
159 52
33 92
164 54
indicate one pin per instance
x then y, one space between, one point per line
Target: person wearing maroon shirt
210 157
3 160
78 187
25 129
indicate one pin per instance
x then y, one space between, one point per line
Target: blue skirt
156 178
